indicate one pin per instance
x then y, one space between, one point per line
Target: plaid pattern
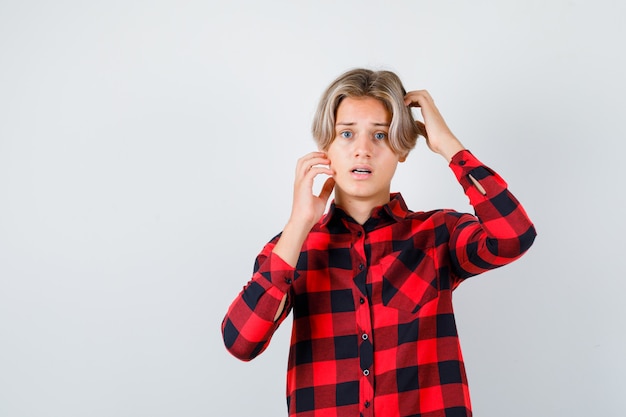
374 332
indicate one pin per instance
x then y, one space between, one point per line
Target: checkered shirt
373 330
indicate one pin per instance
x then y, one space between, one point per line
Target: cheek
331 153
332 166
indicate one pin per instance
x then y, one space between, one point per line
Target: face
360 155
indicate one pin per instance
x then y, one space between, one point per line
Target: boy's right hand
307 208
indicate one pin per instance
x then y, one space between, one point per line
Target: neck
357 208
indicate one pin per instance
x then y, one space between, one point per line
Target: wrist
299 225
450 148
290 243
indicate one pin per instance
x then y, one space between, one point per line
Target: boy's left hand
439 137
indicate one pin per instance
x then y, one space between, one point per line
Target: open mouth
361 171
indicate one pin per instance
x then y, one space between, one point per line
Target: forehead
353 109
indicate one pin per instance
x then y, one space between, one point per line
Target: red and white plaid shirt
373 325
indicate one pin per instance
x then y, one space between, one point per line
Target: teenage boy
370 282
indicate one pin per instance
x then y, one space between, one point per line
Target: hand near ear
438 136
307 208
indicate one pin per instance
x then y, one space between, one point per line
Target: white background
147 153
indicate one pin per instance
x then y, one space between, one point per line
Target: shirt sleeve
249 323
499 233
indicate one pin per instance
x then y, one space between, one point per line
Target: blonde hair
381 85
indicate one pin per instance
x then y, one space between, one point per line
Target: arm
501 230
263 304
251 318
306 209
499 233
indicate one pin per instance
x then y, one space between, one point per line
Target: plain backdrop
147 152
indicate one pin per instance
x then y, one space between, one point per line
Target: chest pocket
405 280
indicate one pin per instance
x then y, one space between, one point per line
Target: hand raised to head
439 137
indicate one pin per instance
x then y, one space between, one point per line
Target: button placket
363 318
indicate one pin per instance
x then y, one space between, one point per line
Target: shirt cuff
464 164
278 272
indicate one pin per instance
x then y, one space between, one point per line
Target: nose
363 146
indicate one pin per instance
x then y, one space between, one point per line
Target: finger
412 98
317 170
327 188
305 181
308 164
310 156
417 98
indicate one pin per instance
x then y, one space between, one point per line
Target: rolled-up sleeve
249 323
499 233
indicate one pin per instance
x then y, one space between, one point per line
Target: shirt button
367 404
364 336
288 280
362 301
359 233
366 372
361 266
462 163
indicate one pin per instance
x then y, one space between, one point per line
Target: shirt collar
395 209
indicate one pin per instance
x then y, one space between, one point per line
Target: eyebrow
353 123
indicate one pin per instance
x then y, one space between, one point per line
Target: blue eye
346 135
380 136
